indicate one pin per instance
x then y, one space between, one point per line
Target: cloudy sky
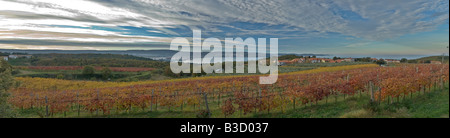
360 27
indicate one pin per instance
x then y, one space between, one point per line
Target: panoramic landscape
112 85
118 59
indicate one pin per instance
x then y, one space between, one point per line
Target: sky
340 27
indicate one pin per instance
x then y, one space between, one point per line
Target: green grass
433 104
429 105
20 62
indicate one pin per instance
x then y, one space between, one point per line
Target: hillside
431 58
107 60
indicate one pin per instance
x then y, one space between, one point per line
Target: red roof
284 61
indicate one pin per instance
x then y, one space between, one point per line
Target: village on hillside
6 58
334 60
14 55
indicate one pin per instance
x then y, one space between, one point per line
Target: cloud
78 20
38 42
354 45
374 20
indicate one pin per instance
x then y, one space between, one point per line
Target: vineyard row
242 93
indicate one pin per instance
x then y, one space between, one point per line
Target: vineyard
115 69
230 94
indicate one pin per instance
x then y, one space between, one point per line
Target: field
123 68
118 74
99 60
70 68
367 91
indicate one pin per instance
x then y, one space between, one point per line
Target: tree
3 54
168 72
381 62
60 76
106 73
404 60
88 71
289 57
6 81
157 71
366 59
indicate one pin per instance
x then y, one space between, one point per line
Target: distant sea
379 56
167 54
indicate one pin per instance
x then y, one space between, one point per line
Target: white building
19 56
349 60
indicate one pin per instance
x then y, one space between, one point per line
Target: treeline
90 56
103 60
288 57
291 57
13 53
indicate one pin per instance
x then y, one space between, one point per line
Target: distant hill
152 54
102 60
163 55
431 58
289 57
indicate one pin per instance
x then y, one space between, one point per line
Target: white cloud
80 7
14 6
361 44
369 19
379 19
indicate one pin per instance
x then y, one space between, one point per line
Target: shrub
88 71
106 73
6 81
